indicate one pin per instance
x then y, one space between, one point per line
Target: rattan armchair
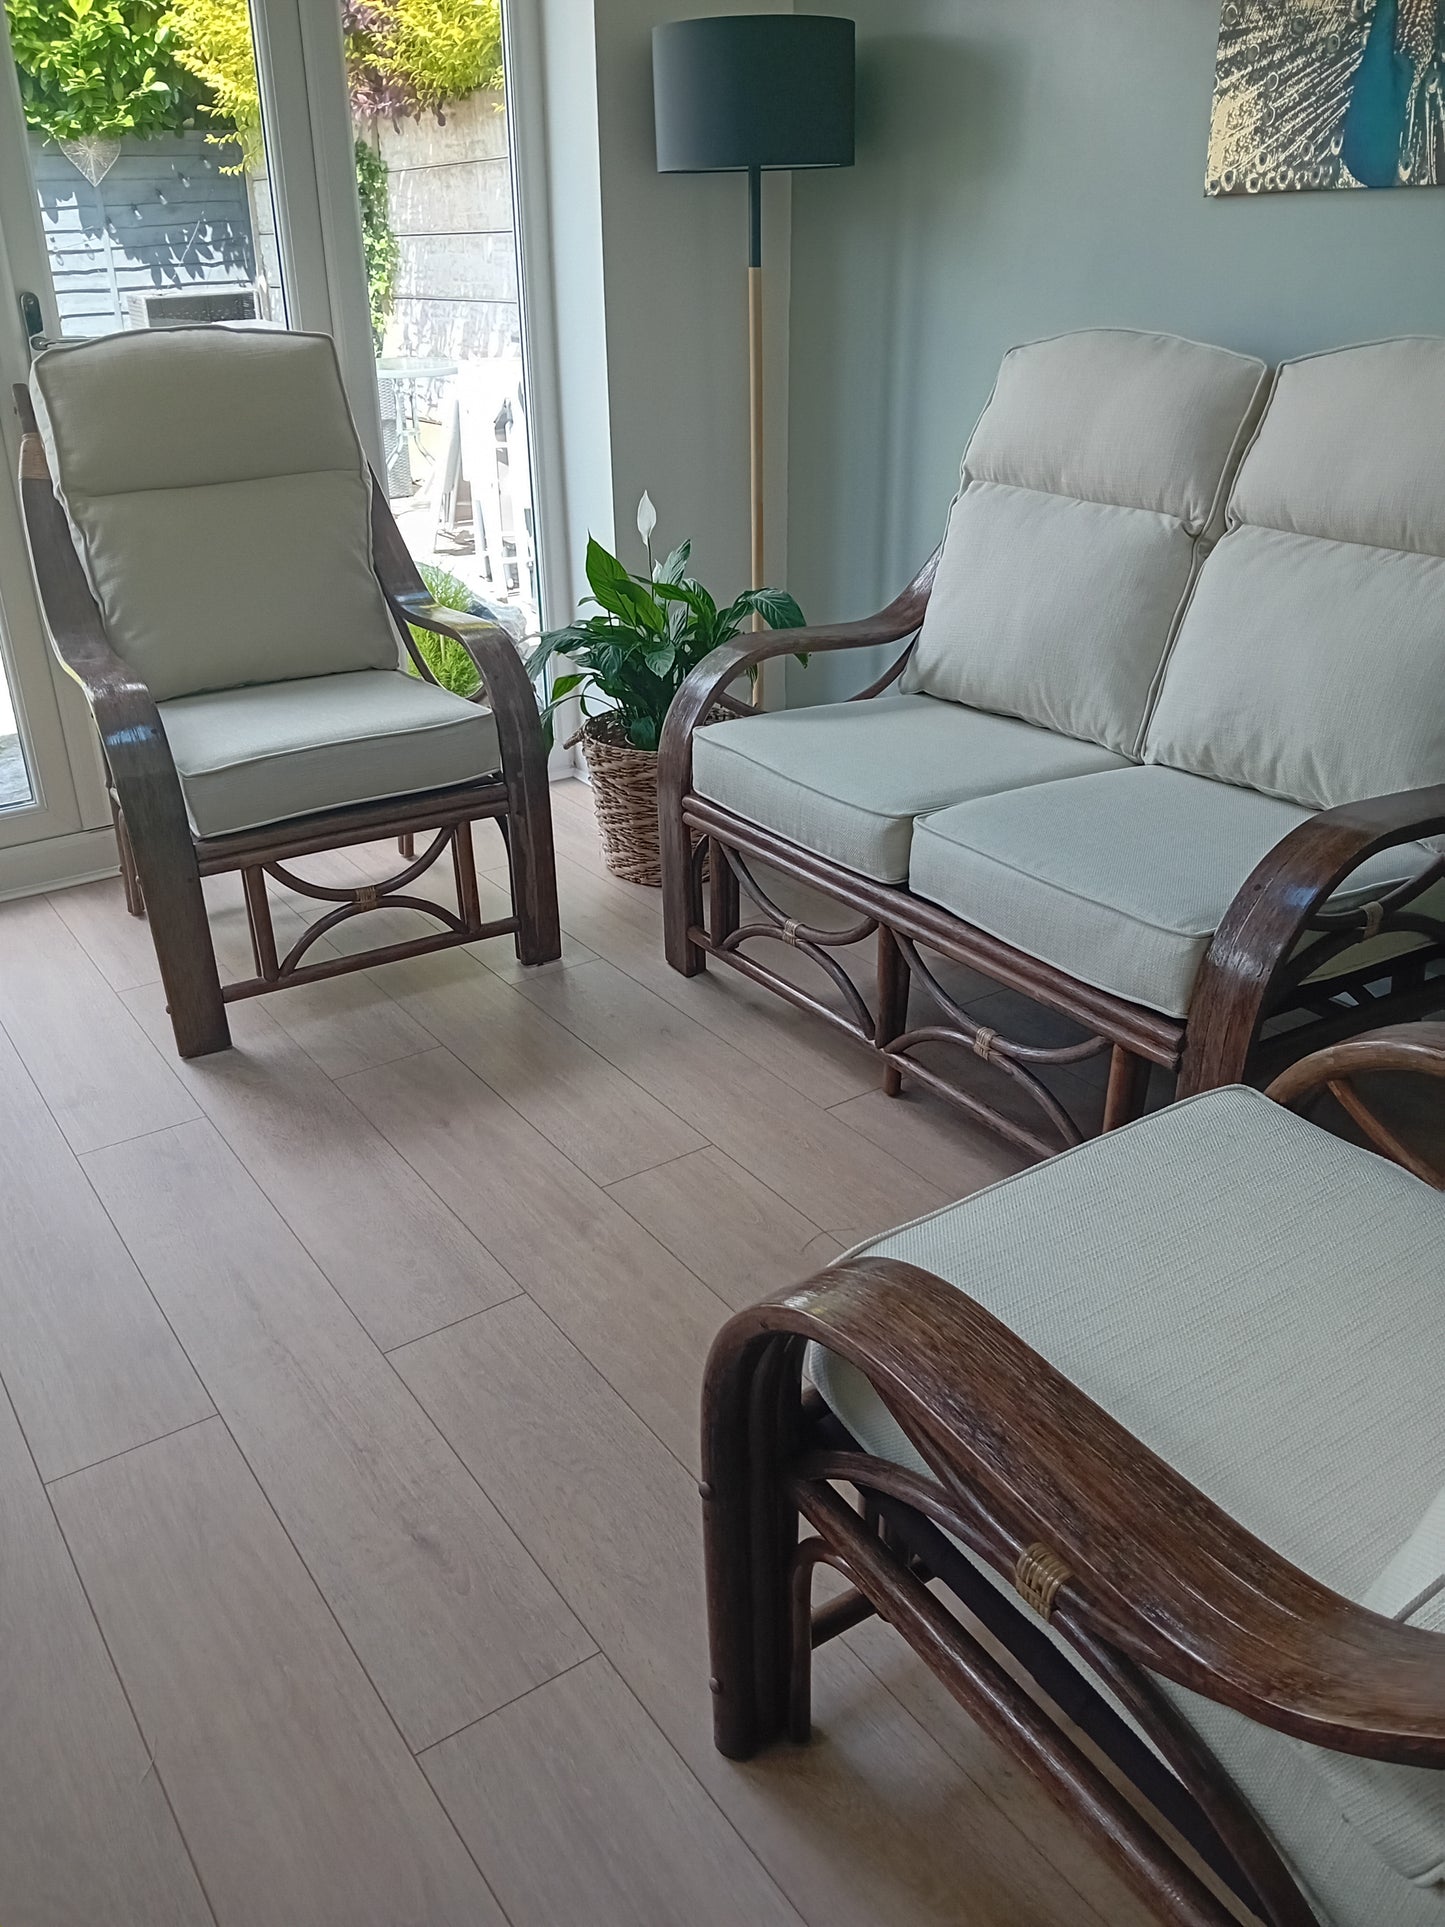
277 721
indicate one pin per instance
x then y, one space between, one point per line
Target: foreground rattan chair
1160 1422
232 594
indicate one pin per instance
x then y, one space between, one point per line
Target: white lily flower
646 519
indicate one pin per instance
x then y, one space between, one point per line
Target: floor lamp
742 93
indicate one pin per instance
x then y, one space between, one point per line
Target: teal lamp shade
745 93
749 91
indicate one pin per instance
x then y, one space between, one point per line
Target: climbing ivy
378 238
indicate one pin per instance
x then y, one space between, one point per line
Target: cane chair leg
258 916
134 901
681 887
464 867
1128 1088
533 867
722 894
751 1410
171 885
893 981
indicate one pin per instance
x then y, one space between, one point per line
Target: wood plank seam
105 1642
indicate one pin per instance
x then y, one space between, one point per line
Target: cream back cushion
220 504
1311 661
1089 488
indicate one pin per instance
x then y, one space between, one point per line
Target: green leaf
776 607
670 569
563 686
605 574
643 732
691 596
555 640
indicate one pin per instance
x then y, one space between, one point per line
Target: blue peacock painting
1328 93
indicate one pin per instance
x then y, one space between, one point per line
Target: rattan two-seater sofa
1160 749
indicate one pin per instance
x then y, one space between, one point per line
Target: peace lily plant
623 666
630 659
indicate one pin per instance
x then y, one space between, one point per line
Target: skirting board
28 869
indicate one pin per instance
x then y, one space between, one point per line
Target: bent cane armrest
506 686
1418 1048
141 769
507 689
137 754
1398 1047
1153 1568
705 688
1271 913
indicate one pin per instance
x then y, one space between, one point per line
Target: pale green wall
1027 166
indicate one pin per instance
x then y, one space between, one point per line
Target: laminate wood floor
349 1551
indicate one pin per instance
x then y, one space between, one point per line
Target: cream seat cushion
1089 490
264 754
220 504
1261 1304
847 779
1311 660
1121 879
1400 1810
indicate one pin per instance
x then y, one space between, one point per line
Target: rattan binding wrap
1039 1573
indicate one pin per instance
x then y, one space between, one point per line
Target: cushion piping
1070 495
300 816
1002 863
1094 903
866 1245
306 749
903 814
191 488
1205 543
1144 923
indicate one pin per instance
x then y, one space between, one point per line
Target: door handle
32 318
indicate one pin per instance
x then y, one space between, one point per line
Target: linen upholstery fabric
220 504
1312 655
1416 1575
1259 1303
1400 1810
847 779
270 752
1122 878
1087 490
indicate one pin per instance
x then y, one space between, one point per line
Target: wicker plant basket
624 790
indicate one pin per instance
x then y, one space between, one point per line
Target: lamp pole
741 93
755 369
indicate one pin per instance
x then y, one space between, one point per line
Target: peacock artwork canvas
1328 93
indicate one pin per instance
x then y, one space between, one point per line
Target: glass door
40 795
135 192
432 121
312 163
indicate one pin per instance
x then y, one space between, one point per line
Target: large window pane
435 173
15 788
144 130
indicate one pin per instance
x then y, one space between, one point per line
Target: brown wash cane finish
162 861
1127 1560
1275 935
